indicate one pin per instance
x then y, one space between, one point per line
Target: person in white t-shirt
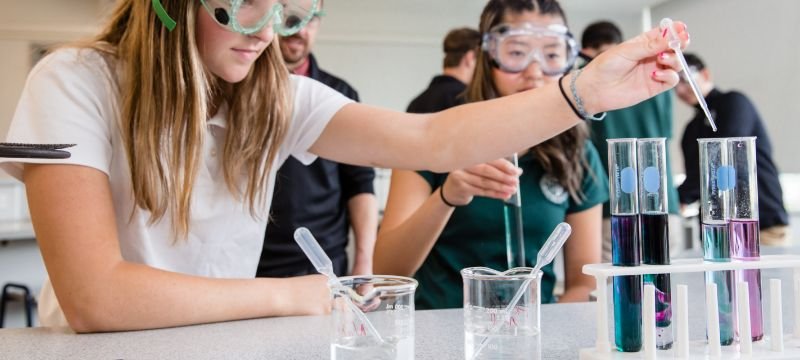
157 219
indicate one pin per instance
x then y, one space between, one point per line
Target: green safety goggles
248 17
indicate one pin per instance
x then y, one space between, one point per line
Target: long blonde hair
166 95
563 156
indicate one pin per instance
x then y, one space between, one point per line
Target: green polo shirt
651 118
475 234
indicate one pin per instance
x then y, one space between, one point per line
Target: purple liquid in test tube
744 230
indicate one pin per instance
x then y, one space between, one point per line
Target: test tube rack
774 345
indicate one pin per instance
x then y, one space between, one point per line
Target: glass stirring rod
512 213
675 45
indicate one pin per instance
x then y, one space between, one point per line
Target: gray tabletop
566 328
439 335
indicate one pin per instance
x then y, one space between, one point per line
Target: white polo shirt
71 97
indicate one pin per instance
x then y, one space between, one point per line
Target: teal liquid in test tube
715 184
625 243
654 226
745 241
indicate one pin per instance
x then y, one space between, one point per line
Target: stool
7 296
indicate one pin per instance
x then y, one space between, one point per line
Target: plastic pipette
324 266
675 45
545 256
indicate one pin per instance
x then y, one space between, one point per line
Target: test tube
654 220
744 223
512 212
715 183
625 243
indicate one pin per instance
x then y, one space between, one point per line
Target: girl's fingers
683 33
483 185
500 170
668 77
669 60
506 167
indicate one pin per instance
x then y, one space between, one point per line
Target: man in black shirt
460 46
324 196
735 116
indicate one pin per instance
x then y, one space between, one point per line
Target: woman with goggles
437 224
157 219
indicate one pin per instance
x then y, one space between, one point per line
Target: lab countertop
566 328
439 335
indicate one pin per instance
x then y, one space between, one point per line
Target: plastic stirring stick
546 255
675 45
324 266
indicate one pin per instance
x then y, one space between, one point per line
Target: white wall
751 46
389 50
23 23
13 70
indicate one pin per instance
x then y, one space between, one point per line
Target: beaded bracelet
579 102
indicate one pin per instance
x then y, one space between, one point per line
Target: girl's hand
313 295
496 179
631 72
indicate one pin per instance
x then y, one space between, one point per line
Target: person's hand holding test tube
675 44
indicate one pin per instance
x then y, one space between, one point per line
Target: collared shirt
475 234
71 97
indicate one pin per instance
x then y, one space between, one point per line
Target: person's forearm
583 247
402 249
363 213
524 127
134 296
447 140
577 293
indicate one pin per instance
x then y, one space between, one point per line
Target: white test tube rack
774 345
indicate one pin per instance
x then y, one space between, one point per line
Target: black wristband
564 94
441 195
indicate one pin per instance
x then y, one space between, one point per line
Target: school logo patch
552 190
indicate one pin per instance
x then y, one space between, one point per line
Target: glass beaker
388 304
489 331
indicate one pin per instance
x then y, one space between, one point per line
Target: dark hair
600 33
563 156
458 43
694 61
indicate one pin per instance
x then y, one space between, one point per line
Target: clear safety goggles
248 17
514 47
